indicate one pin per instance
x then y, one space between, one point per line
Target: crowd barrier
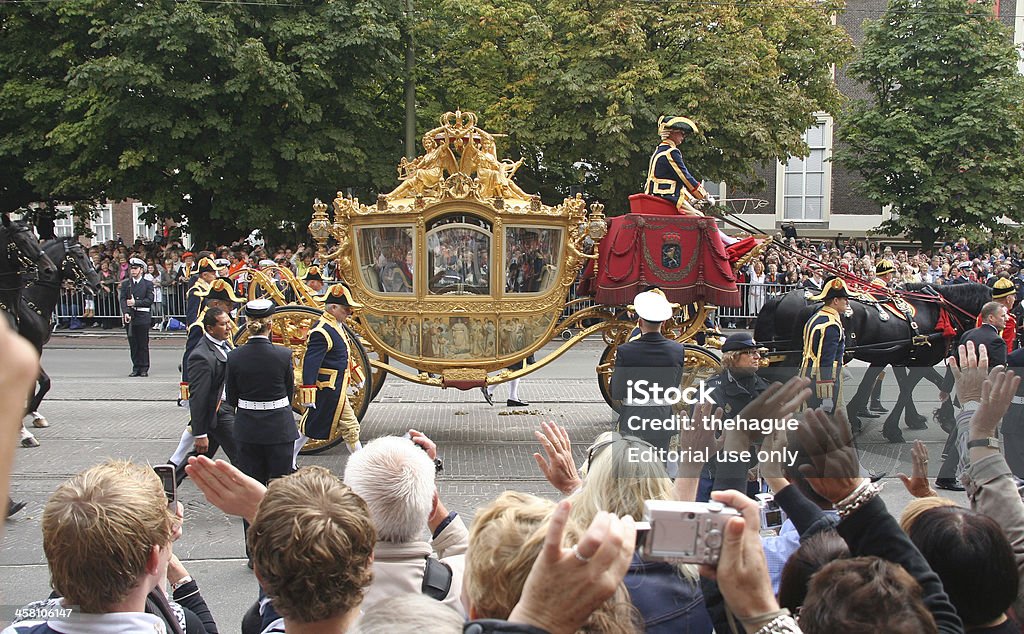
77 309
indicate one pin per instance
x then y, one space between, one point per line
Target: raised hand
834 471
918 484
556 463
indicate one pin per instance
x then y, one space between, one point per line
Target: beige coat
398 568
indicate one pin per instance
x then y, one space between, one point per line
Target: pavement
96 412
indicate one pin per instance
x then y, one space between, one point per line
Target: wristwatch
994 443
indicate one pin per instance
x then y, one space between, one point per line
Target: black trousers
138 344
223 435
263 463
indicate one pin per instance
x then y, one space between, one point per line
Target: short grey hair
408 614
396 480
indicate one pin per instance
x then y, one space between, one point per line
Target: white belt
141 310
262 405
1019 400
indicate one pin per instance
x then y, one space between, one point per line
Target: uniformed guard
654 359
825 344
1004 292
962 269
220 294
260 384
207 272
327 373
884 272
732 389
667 176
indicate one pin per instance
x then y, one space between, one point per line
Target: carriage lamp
598 227
320 225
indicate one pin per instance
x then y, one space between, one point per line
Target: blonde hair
257 326
731 359
915 507
506 537
616 483
99 529
312 545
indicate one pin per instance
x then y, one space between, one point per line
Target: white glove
309 405
827 404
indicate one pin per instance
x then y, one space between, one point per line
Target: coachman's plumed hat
220 289
1003 288
667 123
340 294
313 275
833 288
206 266
883 267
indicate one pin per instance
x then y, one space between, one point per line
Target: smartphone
170 483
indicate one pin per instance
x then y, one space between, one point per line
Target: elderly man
396 478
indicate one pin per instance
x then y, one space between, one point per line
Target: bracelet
180 582
863 494
782 624
757 618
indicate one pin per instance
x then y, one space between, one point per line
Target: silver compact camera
772 515
683 532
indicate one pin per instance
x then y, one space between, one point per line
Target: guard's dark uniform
211 415
141 321
659 361
325 368
1013 423
260 375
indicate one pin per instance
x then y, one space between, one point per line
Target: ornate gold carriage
464 277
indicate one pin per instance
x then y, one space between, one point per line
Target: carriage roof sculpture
463 275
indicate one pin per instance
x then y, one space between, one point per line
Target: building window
142 229
716 190
103 223
805 187
65 225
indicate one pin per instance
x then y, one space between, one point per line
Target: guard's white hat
652 306
136 262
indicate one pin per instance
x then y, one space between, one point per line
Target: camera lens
690 516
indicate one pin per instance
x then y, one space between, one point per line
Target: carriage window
386 259
532 256
458 256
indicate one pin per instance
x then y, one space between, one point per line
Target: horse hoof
40 422
29 441
918 422
894 437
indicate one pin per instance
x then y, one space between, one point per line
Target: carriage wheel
700 364
291 324
377 374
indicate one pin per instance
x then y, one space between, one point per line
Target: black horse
20 257
39 299
877 340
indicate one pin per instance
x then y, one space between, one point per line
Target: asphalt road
96 412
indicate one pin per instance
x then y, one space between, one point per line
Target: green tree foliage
230 115
580 84
235 115
941 137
